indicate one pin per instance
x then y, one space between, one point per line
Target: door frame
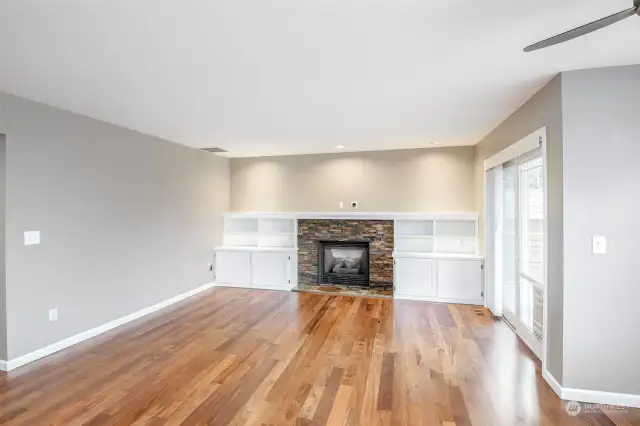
493 283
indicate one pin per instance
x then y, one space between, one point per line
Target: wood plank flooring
243 357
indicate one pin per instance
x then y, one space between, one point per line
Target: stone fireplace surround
378 232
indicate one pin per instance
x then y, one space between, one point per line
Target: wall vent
214 150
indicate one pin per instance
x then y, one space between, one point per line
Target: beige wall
435 180
544 109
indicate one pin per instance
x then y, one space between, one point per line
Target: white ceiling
266 77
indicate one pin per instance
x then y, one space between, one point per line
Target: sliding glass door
523 251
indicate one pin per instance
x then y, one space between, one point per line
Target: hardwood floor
242 357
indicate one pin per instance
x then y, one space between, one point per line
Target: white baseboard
591 396
73 340
478 302
254 287
598 397
546 375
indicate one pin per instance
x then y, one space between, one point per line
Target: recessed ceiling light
339 147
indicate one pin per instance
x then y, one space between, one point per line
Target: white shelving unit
436 259
439 236
436 255
259 251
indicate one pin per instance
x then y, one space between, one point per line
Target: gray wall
543 109
435 179
127 220
602 197
3 301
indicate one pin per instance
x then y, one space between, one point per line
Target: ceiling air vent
216 149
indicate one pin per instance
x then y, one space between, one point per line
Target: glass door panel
531 232
531 211
510 240
523 246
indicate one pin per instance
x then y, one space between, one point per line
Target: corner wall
434 179
544 109
602 197
3 287
126 221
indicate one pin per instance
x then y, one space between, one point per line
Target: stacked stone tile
378 232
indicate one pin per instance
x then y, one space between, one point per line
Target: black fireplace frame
363 280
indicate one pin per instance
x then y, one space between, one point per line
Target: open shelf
257 231
439 235
456 228
414 227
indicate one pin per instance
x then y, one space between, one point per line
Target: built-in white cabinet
259 251
233 267
435 258
270 269
415 277
438 279
254 268
460 280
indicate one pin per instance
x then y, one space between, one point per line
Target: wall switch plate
599 244
31 238
341 205
53 315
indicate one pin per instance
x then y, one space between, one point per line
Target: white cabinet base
439 280
478 302
271 269
254 287
233 267
414 278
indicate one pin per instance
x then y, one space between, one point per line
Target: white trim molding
524 145
591 396
256 287
426 255
86 335
476 302
357 215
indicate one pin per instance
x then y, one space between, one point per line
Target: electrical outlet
31 238
341 205
53 315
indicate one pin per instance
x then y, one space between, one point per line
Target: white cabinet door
270 270
460 280
415 277
233 267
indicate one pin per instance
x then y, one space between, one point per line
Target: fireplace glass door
344 263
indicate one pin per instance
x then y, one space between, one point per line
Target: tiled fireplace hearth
378 233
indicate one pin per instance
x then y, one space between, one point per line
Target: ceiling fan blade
585 29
